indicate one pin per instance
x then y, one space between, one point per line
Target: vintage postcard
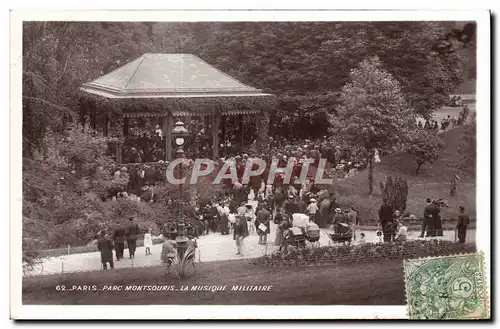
207 165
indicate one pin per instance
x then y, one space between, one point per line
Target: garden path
212 247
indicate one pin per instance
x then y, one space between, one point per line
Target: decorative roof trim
202 105
144 114
185 113
238 112
174 94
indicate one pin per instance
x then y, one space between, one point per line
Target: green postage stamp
448 287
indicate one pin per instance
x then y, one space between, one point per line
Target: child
362 238
148 242
168 253
402 232
379 236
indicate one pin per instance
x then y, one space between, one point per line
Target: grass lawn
433 181
359 284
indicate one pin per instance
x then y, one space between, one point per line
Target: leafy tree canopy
373 113
424 146
286 58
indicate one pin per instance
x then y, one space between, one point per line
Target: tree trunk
418 169
370 175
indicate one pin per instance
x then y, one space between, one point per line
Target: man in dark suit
431 213
119 240
436 219
132 233
264 218
427 223
105 246
387 221
463 221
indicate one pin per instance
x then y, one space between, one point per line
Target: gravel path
212 247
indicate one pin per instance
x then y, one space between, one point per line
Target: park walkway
212 247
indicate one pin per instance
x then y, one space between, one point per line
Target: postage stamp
448 287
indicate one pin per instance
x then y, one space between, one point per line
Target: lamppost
180 133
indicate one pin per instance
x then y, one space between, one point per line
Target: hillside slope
433 181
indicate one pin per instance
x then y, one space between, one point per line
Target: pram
301 232
343 233
294 237
312 234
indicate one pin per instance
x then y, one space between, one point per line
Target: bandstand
165 88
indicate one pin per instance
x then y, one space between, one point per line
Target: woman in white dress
148 242
376 157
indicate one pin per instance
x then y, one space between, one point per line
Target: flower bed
361 253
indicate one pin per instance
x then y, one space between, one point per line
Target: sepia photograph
204 161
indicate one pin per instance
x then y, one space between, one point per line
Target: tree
63 183
278 57
467 147
373 114
424 146
58 57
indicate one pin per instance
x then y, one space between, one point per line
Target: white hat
313 200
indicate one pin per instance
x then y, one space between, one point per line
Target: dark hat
461 208
428 200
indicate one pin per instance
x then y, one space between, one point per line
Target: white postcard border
19 311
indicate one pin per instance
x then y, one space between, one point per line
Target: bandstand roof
168 75
181 84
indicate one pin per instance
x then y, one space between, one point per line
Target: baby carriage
343 234
294 237
301 231
312 234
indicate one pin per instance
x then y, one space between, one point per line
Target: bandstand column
216 118
169 125
242 137
121 120
165 132
125 127
223 133
83 106
93 116
105 127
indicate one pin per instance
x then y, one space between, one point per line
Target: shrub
364 253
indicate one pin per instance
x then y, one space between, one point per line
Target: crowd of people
141 181
109 240
243 212
394 227
446 122
273 204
